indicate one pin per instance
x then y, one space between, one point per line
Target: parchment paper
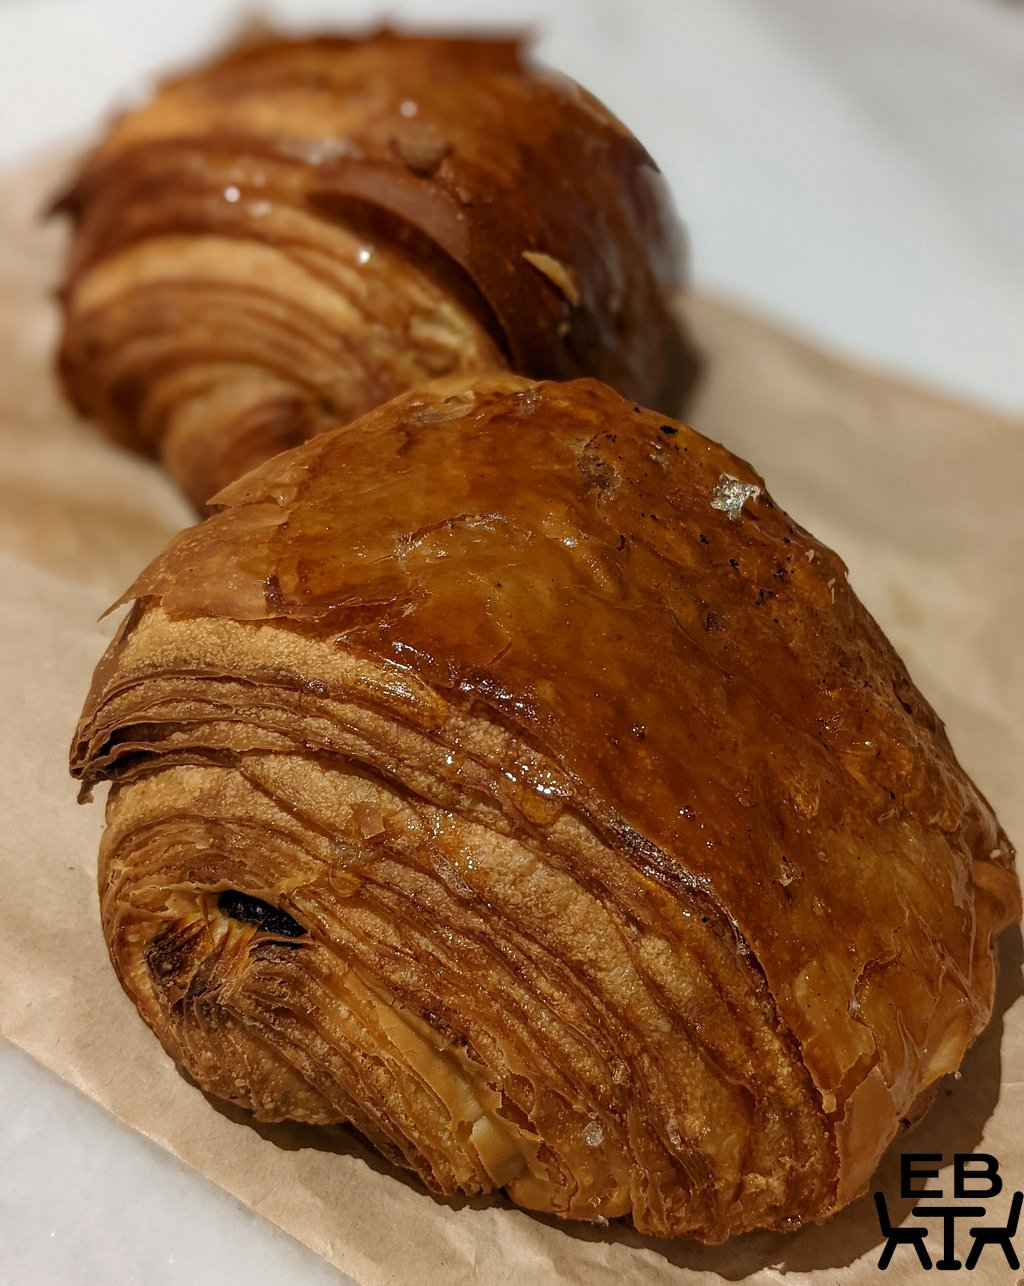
920 495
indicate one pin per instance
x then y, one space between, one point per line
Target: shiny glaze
681 666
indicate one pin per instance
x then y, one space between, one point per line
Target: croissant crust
506 774
297 232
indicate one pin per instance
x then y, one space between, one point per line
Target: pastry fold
297 232
507 775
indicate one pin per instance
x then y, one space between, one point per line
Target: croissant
290 236
507 775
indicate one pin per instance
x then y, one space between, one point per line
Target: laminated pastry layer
219 349
582 639
343 899
295 233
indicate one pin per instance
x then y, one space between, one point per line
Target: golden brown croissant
505 773
290 236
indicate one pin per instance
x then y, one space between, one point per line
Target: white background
854 168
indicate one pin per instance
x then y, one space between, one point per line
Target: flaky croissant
297 232
505 773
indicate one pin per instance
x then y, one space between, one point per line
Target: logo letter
980 1171
908 1174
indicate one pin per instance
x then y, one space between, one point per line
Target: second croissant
290 236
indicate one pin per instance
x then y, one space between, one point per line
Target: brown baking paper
921 496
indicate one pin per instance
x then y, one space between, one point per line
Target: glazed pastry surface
506 774
297 232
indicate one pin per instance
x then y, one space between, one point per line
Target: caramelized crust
299 231
505 773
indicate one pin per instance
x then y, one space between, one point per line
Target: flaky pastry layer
506 774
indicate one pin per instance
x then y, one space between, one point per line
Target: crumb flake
558 273
593 1135
731 495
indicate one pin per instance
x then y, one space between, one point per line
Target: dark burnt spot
435 1020
669 429
600 475
272 593
174 958
172 951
